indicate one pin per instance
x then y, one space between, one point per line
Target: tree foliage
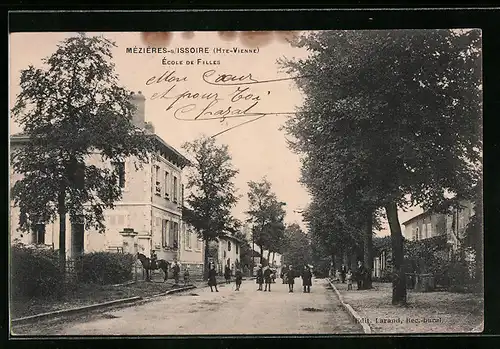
70 109
212 192
298 247
267 215
390 119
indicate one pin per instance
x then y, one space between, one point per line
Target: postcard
234 183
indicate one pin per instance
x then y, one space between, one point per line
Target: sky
258 148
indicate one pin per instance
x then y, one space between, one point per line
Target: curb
352 313
175 290
53 314
137 300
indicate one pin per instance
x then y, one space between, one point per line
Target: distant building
432 227
228 252
428 225
151 205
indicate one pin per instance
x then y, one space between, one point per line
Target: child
186 275
238 277
349 280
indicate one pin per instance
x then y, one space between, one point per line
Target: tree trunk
205 262
368 251
398 280
268 256
261 254
273 256
62 229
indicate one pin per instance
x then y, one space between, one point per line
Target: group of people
212 277
288 275
176 269
264 277
346 275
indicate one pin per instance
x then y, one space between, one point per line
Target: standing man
290 277
227 274
212 278
267 278
260 277
283 274
307 279
238 277
360 274
177 269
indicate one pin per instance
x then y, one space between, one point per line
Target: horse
160 264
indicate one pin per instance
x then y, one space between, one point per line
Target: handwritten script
234 97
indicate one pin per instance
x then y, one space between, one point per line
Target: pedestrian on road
267 278
349 280
212 278
260 277
186 275
238 277
227 274
177 270
283 274
307 279
290 278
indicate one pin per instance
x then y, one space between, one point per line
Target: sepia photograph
246 183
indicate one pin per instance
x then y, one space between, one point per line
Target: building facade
429 225
151 205
228 252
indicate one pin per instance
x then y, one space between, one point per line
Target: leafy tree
245 250
69 109
267 215
213 193
397 112
298 247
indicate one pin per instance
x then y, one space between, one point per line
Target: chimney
138 116
149 127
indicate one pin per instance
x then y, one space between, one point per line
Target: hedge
105 268
35 272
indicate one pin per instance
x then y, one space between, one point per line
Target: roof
422 215
22 137
181 158
231 237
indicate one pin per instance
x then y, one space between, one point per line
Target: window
424 231
198 244
429 230
229 245
173 235
175 189
119 168
417 237
164 233
167 178
157 174
182 194
39 234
